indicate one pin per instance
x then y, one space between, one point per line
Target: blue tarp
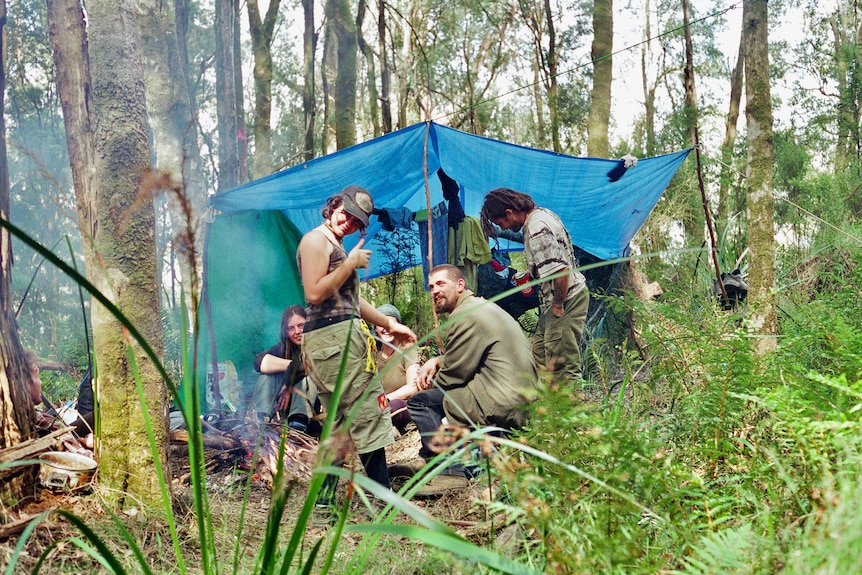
601 216
251 273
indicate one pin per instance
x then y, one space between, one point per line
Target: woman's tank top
342 302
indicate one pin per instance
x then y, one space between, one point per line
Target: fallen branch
28 449
15 527
214 440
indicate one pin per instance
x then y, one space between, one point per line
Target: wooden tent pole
430 230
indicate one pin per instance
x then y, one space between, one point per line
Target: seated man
486 377
282 387
48 420
399 379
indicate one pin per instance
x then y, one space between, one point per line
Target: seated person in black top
282 388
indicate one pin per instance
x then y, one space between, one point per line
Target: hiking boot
443 484
323 516
406 469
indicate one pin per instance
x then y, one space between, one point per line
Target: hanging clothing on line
439 227
392 219
468 249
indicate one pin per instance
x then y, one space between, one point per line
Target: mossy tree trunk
344 91
261 43
101 83
762 319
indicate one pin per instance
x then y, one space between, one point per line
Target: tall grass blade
191 410
157 462
448 542
133 545
312 555
101 552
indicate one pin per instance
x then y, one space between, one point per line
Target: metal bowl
64 471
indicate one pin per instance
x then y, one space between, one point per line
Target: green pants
557 341
362 397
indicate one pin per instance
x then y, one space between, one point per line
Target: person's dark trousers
400 415
426 411
375 468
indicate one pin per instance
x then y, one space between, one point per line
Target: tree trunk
691 111
385 81
261 43
242 132
542 76
600 95
727 172
649 89
118 228
845 116
328 67
345 73
553 104
694 222
194 184
762 319
371 76
169 108
539 99
404 84
15 406
228 127
309 47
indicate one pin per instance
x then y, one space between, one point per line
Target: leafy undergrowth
701 457
719 461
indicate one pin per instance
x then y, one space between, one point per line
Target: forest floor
226 485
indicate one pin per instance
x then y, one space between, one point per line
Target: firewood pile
231 444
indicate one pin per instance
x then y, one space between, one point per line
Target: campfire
246 444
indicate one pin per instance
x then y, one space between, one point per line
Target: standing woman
331 283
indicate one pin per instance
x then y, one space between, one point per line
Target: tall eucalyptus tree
261 31
101 82
600 96
762 319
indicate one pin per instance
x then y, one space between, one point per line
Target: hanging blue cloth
439 235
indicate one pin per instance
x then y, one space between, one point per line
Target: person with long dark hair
331 282
563 290
282 389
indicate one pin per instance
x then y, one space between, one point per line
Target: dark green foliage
744 464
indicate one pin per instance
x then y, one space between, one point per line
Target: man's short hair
453 272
